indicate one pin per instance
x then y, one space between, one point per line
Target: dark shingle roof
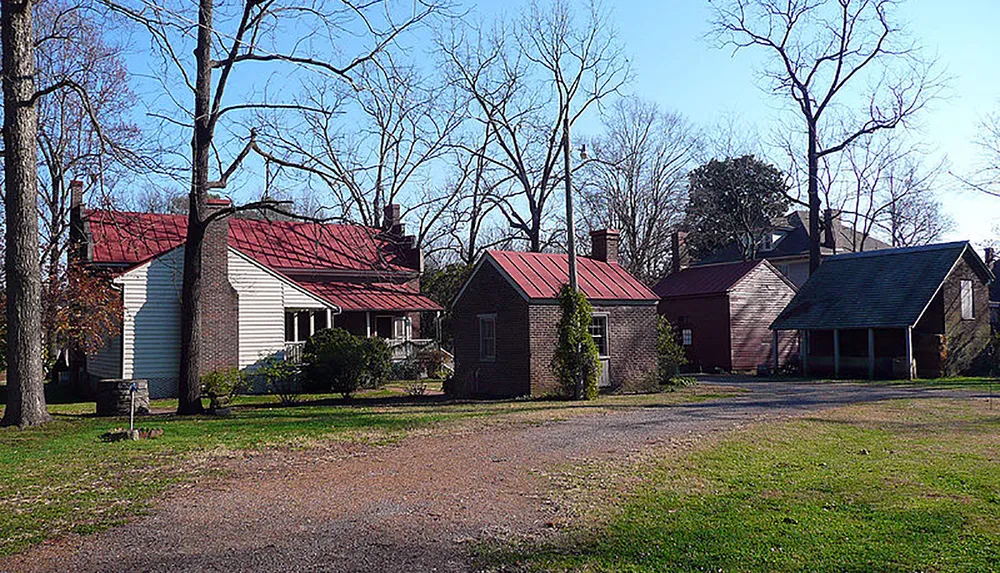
878 289
704 280
795 242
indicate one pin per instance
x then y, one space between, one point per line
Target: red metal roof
130 238
704 280
542 275
370 296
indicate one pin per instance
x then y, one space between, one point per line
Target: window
968 308
686 337
400 328
599 332
487 337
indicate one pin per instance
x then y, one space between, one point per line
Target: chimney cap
75 183
218 202
601 232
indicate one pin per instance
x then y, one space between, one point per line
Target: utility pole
570 228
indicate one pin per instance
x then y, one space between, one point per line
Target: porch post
836 353
909 353
329 318
368 323
871 353
295 327
312 322
774 350
805 353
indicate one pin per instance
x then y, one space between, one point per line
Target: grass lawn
61 478
896 486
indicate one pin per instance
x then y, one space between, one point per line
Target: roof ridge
900 250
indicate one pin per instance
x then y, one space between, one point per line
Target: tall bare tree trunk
189 383
25 387
813 167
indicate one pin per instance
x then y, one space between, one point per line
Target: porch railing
401 348
293 351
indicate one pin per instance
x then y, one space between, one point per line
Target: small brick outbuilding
722 314
506 316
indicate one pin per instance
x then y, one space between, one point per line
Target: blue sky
677 67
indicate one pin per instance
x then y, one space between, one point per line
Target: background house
270 285
920 311
722 313
787 246
505 321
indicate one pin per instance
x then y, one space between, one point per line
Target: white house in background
271 285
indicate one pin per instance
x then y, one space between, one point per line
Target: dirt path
411 507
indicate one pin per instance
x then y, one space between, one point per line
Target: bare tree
402 122
250 35
25 389
885 186
637 182
986 178
526 81
822 55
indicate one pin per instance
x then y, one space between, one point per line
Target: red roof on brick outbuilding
542 276
704 280
131 238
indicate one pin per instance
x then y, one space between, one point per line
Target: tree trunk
814 234
189 378
25 387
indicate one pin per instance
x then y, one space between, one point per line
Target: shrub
415 388
279 377
221 386
408 369
341 362
680 382
377 362
432 361
670 352
575 363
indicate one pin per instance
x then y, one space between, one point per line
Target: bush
341 362
408 369
680 382
221 386
432 361
415 388
576 363
279 377
670 352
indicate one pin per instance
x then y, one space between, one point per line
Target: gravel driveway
410 507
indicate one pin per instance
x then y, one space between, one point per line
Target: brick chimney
991 256
392 220
392 225
604 245
80 240
680 257
220 304
831 220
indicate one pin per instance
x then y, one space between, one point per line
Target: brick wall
965 340
220 303
631 345
490 293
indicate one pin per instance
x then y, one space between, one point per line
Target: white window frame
967 299
607 333
687 337
482 320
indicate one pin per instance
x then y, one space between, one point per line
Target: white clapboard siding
264 295
107 361
151 332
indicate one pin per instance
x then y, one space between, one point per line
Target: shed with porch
505 321
894 313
